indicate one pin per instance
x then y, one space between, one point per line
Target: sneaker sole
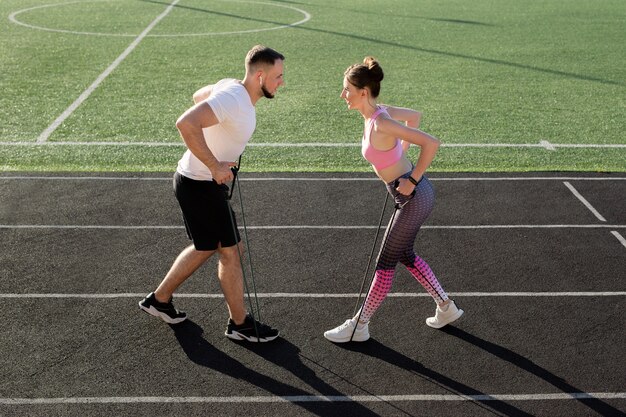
346 339
156 313
452 319
253 339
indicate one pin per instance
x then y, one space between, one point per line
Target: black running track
540 274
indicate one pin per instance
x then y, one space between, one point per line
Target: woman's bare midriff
395 171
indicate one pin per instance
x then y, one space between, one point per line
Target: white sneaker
444 317
343 333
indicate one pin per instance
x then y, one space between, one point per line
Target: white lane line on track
43 137
316 398
619 237
584 201
317 227
374 179
320 295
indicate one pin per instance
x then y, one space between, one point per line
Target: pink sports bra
379 159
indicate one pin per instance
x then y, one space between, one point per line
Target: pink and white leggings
398 247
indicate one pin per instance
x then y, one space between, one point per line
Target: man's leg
231 281
185 264
241 326
159 303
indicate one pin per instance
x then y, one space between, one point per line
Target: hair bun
374 68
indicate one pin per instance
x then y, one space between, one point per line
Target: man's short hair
262 55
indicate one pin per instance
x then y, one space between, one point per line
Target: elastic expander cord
369 261
235 171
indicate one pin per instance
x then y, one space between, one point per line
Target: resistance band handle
399 206
234 170
396 184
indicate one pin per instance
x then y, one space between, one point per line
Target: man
216 130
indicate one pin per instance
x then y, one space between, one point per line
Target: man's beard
266 93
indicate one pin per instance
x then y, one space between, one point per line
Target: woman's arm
412 118
428 144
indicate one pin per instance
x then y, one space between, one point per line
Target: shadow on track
286 355
281 353
529 366
379 351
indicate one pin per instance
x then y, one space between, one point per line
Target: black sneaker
165 311
246 331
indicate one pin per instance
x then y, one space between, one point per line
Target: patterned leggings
398 247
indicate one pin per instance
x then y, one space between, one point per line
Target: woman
385 141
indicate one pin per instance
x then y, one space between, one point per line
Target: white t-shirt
227 140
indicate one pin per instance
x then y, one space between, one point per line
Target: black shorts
206 213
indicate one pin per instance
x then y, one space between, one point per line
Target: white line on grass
619 237
13 18
252 179
317 398
50 129
547 145
584 201
552 146
316 227
319 295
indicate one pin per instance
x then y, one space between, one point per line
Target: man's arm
202 94
190 126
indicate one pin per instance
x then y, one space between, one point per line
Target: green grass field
484 73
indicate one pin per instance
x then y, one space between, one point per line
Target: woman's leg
415 214
425 276
398 243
